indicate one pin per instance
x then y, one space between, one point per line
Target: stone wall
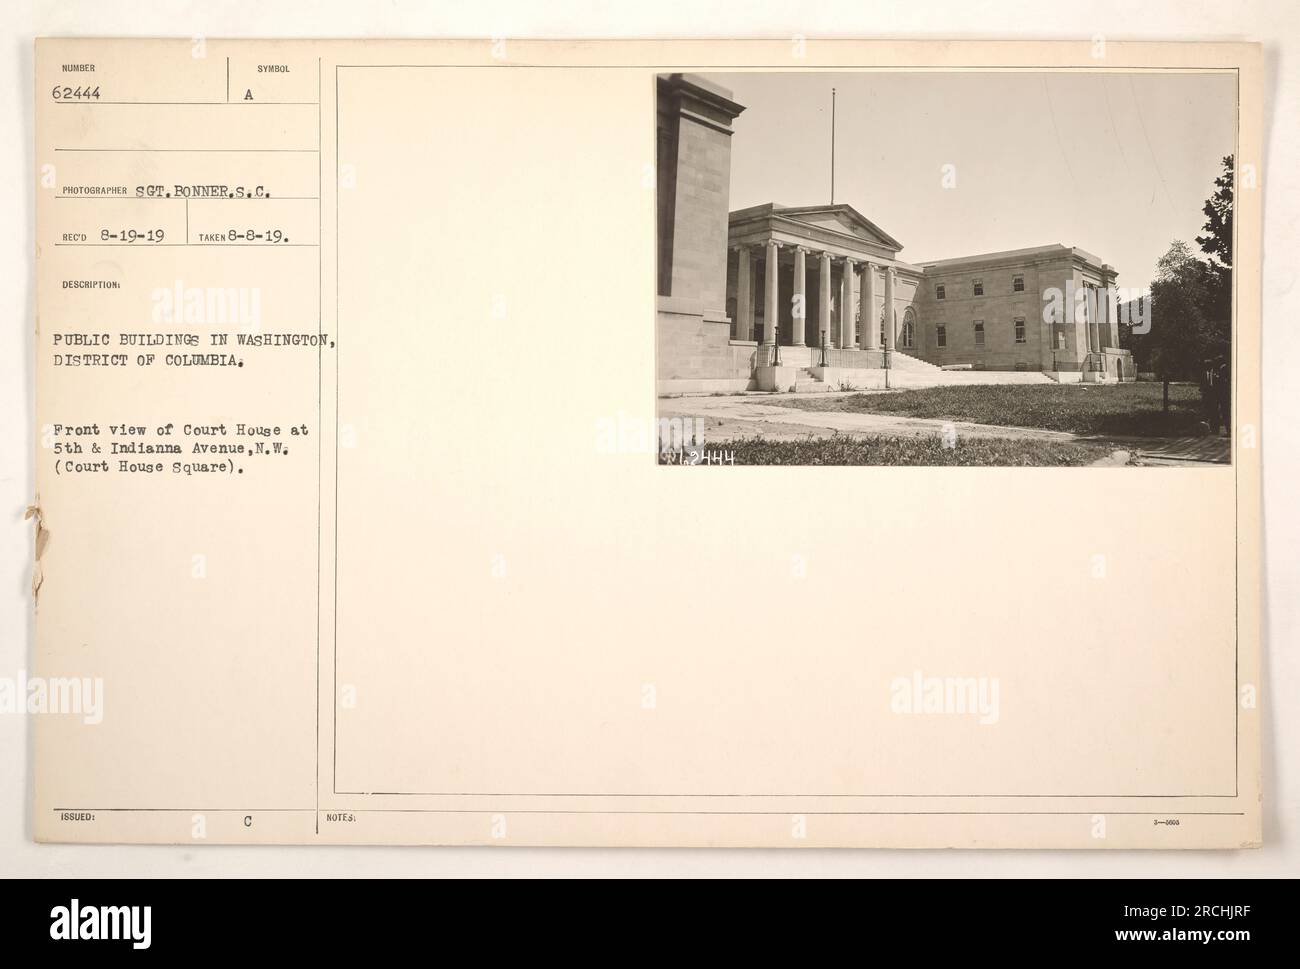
998 308
694 154
693 191
692 347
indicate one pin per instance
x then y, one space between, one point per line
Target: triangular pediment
840 218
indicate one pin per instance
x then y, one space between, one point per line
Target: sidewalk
1172 451
752 416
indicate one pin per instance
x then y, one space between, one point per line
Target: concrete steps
910 371
907 362
807 382
901 379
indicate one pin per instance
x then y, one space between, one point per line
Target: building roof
842 220
1012 255
848 218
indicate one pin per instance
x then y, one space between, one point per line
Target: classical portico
805 279
806 298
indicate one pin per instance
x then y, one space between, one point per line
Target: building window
979 287
940 336
1060 335
1020 329
1017 284
979 333
940 293
909 328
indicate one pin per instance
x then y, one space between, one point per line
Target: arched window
909 329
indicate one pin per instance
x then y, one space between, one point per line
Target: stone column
744 296
1096 320
1109 322
824 303
889 309
770 308
846 305
799 300
870 318
1089 320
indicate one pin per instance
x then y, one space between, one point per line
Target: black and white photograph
1018 268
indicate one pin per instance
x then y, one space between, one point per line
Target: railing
851 359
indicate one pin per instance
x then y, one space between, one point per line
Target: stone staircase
807 382
908 371
910 364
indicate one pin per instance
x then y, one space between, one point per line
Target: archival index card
622 443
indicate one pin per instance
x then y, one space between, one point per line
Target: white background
1275 23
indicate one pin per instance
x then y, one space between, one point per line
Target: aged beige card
628 443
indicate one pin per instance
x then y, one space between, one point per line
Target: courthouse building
772 296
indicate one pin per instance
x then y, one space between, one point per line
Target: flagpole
832 146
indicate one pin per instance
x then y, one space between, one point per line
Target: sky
1119 164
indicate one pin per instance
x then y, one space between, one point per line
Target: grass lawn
1118 409
902 450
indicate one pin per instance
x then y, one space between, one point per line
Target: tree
1191 298
1217 242
1180 295
1217 245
